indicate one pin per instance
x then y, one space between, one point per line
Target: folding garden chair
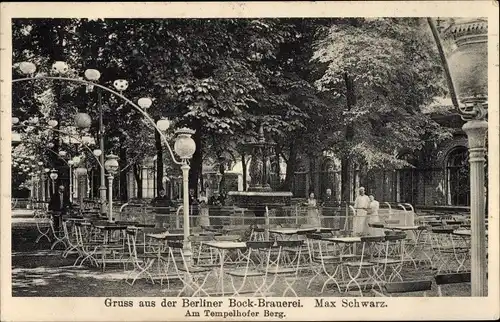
43 225
192 277
258 233
449 255
58 233
87 246
323 261
141 260
289 260
72 238
202 255
392 258
356 269
256 262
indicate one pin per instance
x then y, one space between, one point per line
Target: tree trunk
244 169
222 182
159 163
346 179
317 182
291 166
138 180
349 134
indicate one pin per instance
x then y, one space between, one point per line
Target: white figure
312 212
374 217
361 204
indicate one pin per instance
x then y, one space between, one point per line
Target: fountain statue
259 194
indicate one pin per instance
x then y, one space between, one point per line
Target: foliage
395 73
226 77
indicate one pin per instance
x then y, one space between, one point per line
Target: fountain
259 194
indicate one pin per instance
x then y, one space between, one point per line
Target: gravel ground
38 271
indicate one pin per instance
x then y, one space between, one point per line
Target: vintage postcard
281 161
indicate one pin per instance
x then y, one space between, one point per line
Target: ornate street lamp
185 147
467 75
53 177
111 165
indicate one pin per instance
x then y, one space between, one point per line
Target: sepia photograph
237 167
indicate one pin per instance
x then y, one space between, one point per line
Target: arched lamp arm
83 81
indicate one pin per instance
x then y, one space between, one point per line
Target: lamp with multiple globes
184 145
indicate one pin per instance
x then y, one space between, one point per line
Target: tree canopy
354 87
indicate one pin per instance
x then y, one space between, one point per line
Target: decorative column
476 132
467 69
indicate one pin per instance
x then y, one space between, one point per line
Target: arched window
457 177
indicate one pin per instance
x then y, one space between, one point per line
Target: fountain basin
257 201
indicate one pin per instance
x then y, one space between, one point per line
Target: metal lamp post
70 165
111 165
467 68
81 172
61 68
185 147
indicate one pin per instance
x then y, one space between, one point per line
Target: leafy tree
381 72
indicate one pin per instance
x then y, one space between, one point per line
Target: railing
334 217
